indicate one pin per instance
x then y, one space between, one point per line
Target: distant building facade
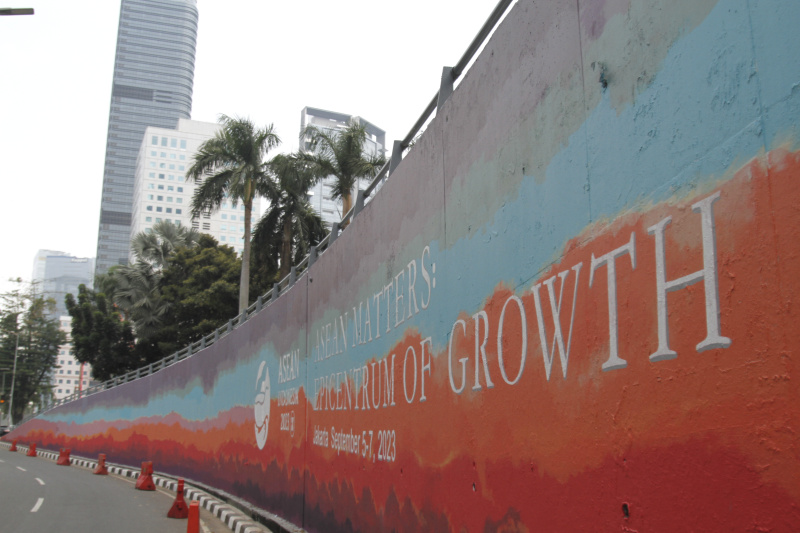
57 274
162 192
330 121
69 375
152 86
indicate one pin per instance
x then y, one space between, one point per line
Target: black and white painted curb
229 515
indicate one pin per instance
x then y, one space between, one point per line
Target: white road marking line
205 528
39 503
40 481
2 461
20 468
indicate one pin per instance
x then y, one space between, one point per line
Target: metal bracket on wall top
334 233
445 88
312 256
397 155
359 203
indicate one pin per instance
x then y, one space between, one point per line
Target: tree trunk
244 280
347 204
286 248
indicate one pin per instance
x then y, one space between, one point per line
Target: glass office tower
152 86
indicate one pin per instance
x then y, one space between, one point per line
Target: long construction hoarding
573 307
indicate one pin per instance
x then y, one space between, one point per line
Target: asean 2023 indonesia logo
262 405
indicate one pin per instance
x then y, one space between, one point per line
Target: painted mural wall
571 308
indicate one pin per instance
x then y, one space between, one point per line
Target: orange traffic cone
13 446
179 508
32 450
193 525
63 457
145 481
101 469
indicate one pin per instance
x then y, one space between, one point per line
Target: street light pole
16 11
13 380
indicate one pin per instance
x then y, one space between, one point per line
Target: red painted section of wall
686 444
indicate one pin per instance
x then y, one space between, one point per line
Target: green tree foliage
290 225
137 287
341 154
200 286
232 166
26 330
101 336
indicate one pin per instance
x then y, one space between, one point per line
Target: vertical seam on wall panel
307 395
585 125
762 122
757 76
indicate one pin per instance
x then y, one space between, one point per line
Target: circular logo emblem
262 405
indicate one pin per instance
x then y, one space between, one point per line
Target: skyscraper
162 192
330 122
58 274
152 86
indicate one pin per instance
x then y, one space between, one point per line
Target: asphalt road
37 496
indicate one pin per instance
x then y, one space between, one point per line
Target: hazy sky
262 59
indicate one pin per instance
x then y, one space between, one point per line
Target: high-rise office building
69 375
162 192
152 86
330 121
58 274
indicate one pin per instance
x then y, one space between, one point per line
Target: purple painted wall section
571 304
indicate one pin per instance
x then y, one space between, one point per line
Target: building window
180 189
160 198
161 176
183 145
169 198
160 187
158 220
148 219
170 188
149 207
169 210
153 164
173 143
224 216
153 153
223 227
178 211
149 196
154 140
172 166
182 157
223 238
180 200
151 186
158 209
163 141
163 154
162 165
151 175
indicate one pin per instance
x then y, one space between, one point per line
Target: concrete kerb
229 515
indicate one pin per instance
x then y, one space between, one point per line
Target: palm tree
290 225
341 154
234 162
137 287
156 246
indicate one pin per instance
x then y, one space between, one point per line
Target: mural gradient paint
569 309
